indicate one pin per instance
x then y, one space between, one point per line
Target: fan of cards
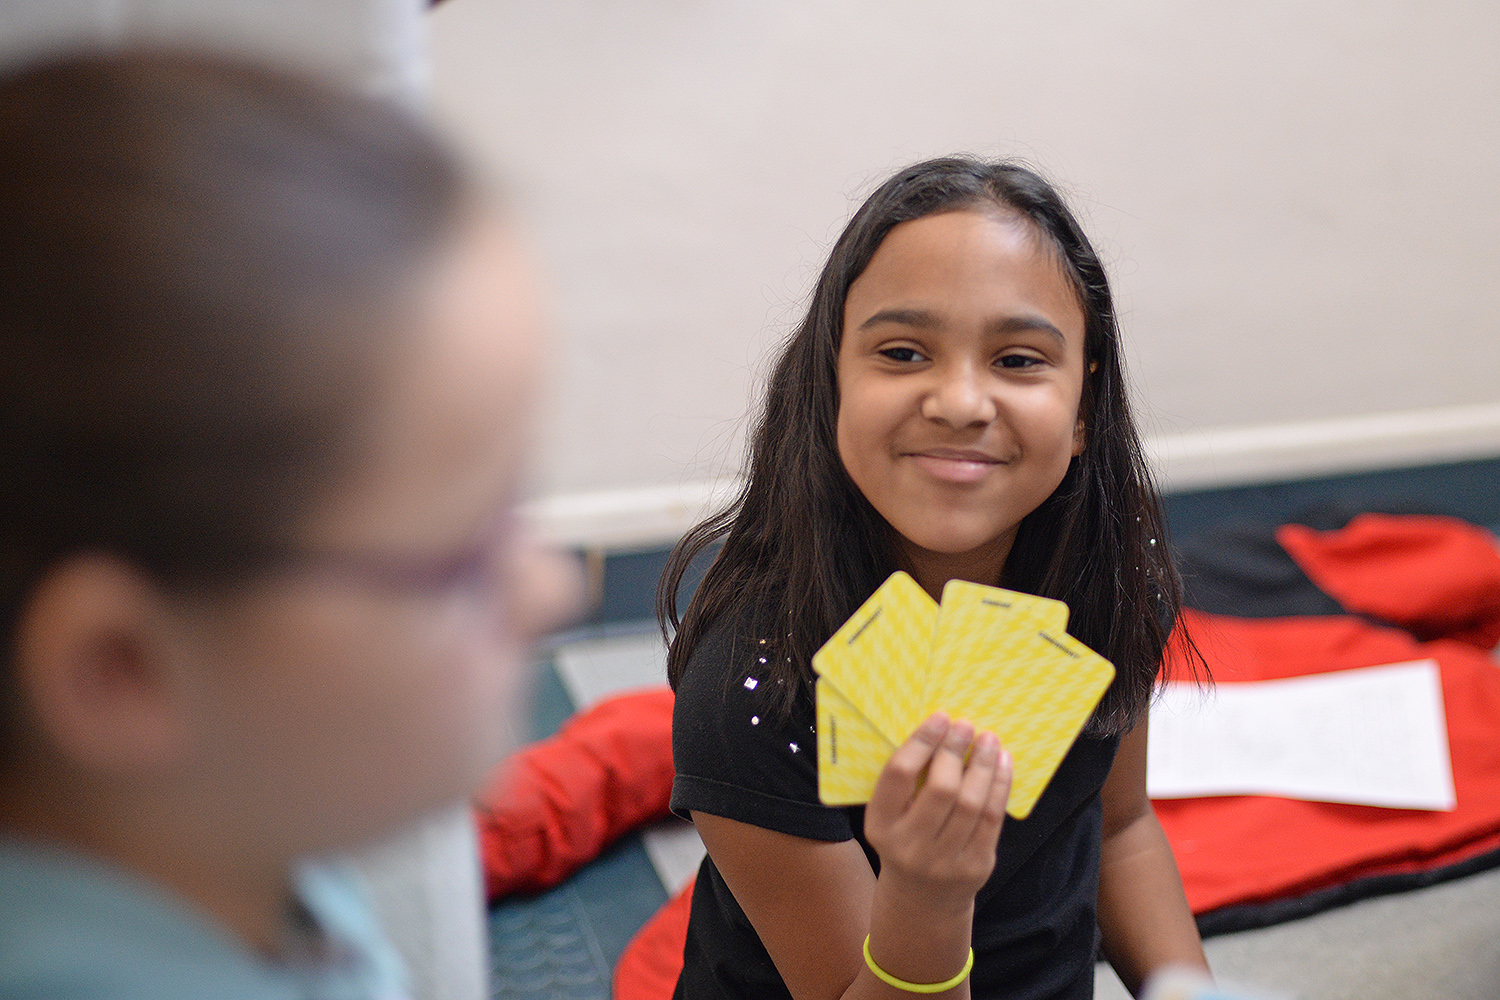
1001 660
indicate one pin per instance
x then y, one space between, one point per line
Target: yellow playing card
1005 662
878 659
851 751
978 626
1002 660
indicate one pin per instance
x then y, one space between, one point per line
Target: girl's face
960 374
356 691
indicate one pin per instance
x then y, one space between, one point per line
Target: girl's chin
976 546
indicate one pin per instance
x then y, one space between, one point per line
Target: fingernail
934 727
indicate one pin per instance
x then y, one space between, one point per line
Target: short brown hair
193 251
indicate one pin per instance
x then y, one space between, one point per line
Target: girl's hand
934 822
937 837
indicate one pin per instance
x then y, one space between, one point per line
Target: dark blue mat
564 943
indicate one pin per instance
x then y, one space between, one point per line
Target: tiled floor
1440 943
563 943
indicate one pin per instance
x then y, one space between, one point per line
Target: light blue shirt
72 928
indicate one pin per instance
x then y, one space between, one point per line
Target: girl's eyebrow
1023 324
925 320
919 318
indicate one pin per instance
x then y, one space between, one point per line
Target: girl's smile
960 375
955 465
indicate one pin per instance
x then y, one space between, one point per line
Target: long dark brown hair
201 271
801 546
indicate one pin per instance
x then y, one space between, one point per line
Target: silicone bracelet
902 984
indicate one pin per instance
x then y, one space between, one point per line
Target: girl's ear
98 682
1079 437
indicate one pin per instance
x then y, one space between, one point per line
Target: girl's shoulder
741 747
734 664
735 650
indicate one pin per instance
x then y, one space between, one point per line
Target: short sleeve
736 755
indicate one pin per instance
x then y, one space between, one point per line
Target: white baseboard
1233 456
652 516
633 518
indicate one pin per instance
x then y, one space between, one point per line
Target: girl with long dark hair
953 405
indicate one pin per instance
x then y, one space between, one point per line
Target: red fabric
1439 577
652 961
556 804
1251 849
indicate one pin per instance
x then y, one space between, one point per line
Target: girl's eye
1021 361
903 354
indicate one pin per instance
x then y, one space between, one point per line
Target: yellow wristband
902 984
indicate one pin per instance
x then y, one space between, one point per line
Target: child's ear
1080 437
95 669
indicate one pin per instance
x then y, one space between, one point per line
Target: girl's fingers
992 815
974 792
898 781
980 808
944 777
935 817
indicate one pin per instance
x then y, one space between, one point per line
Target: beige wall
1298 200
381 44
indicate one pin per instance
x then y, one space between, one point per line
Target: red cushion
555 805
1439 577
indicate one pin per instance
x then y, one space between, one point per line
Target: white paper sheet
1374 736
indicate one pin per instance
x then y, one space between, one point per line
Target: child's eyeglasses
478 565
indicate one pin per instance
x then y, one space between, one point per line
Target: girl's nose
959 396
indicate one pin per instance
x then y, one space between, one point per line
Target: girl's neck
932 570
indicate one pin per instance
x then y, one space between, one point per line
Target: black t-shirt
1035 933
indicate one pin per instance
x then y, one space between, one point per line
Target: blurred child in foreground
268 363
